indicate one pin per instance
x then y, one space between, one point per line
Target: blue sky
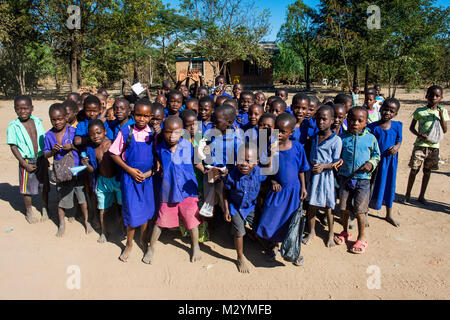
278 11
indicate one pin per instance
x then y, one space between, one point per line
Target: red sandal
342 238
361 245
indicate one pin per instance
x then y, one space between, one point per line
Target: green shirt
425 117
17 134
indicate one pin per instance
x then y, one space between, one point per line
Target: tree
287 65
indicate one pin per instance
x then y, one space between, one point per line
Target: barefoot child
100 163
136 159
325 153
241 188
58 143
25 136
288 186
426 152
389 137
179 195
355 173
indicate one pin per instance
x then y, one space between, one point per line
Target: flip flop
362 245
343 237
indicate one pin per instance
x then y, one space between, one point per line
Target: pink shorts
187 209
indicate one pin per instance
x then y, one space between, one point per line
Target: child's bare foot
392 221
71 219
423 201
331 243
242 265
299 262
31 217
148 256
308 238
196 253
406 199
88 227
44 214
102 238
125 254
61 231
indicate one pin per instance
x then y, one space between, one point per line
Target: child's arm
320 167
275 186
412 128
372 163
29 167
80 141
394 149
442 119
54 151
303 193
85 162
226 215
136 174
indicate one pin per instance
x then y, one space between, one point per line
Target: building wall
208 70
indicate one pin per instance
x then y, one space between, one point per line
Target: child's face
23 109
245 101
276 108
142 115
172 133
184 91
324 120
388 112
282 94
110 115
175 102
102 100
300 109
254 114
190 124
266 123
92 110
121 110
202 93
249 161
58 120
357 121
434 97
205 110
356 90
192 106
71 116
378 90
260 99
220 122
311 110
157 118
220 81
73 97
161 99
97 134
237 89
341 114
369 101
284 131
348 105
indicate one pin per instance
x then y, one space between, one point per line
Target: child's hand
318 168
136 174
30 167
67 147
148 174
303 194
276 186
56 148
227 216
338 164
157 129
366 167
85 161
223 173
393 150
423 136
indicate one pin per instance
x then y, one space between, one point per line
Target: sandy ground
413 261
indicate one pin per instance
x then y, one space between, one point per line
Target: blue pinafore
138 201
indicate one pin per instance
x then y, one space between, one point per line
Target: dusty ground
413 260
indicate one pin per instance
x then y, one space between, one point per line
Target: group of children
194 153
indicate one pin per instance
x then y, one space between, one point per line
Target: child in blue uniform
137 162
179 195
288 185
277 107
246 99
389 137
205 110
122 113
251 129
299 107
326 149
241 188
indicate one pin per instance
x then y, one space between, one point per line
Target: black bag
291 246
61 168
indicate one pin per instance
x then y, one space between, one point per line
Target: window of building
251 69
197 66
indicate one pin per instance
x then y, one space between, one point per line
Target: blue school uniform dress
224 149
206 127
250 133
384 189
280 206
321 188
242 119
82 129
178 181
138 204
116 127
307 129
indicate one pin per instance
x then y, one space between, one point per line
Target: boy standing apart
25 136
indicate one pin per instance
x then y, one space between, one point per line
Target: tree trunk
79 76
151 71
73 65
355 76
135 73
366 78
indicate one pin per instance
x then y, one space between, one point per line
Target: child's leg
188 211
126 252
330 219
241 261
31 218
411 179
85 211
311 224
102 238
423 188
62 223
195 247
151 248
390 219
143 236
44 210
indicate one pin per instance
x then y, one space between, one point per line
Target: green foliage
287 66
